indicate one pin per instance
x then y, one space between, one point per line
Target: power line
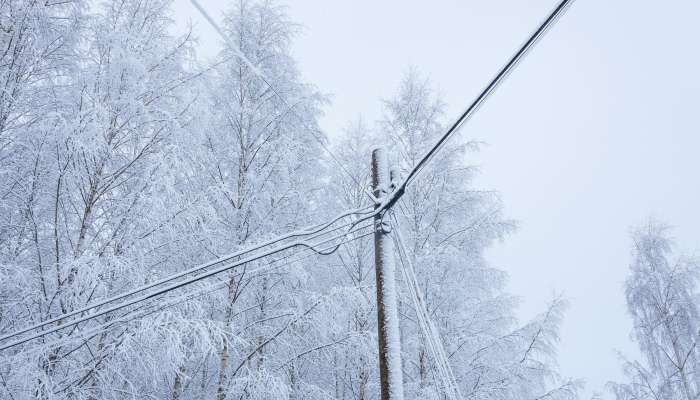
483 95
262 77
165 289
126 318
430 333
312 247
312 232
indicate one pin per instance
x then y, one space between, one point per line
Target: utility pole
390 374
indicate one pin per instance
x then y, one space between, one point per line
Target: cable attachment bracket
381 224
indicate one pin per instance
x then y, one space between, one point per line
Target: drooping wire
263 78
312 232
138 314
430 333
177 285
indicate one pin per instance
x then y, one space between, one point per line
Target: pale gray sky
596 130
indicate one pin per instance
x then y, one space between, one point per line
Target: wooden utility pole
390 374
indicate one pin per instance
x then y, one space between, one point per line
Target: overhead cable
64 324
256 70
483 95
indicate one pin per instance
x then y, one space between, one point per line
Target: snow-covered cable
430 333
133 315
483 95
312 231
237 51
174 286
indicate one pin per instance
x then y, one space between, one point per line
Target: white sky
595 130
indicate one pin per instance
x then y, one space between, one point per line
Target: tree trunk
224 353
177 386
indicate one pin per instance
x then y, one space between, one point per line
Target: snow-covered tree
448 225
95 158
662 298
253 177
123 161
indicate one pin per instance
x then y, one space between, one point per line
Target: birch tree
96 157
253 156
123 160
355 374
662 298
448 225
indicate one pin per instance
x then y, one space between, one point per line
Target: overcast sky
596 130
